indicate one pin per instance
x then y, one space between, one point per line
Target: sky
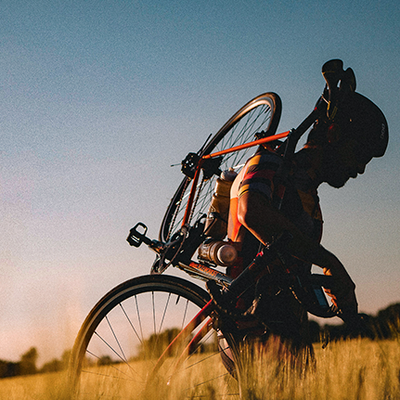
99 98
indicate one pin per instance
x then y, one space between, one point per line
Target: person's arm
264 221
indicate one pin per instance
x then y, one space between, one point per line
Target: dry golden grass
34 387
358 369
182 385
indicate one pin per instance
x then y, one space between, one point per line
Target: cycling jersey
297 199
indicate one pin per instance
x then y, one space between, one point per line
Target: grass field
358 369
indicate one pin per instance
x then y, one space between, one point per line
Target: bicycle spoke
116 339
154 313
164 313
131 324
185 313
138 316
112 349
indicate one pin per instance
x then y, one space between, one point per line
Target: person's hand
342 293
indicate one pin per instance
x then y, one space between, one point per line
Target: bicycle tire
260 114
114 352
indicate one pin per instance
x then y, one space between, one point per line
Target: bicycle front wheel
260 114
118 348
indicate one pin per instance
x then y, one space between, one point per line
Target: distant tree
104 360
28 362
334 332
387 322
9 369
54 365
385 325
156 343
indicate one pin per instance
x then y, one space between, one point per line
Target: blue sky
99 98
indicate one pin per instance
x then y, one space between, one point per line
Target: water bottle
218 252
217 218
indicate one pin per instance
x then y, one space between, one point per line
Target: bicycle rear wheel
260 114
124 335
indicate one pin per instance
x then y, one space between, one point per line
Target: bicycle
162 328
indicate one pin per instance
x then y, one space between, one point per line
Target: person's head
358 133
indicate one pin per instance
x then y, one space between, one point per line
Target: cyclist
263 205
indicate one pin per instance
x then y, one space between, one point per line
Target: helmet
360 119
357 118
